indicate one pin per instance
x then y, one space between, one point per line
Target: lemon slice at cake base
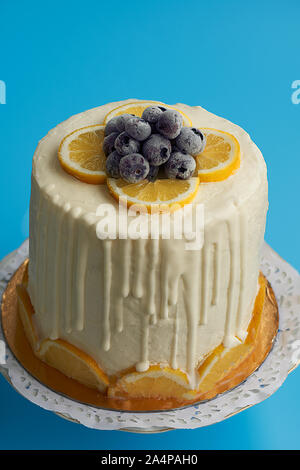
74 363
220 158
162 194
156 382
138 107
26 314
81 154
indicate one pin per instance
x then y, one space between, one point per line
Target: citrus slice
223 361
220 158
163 194
137 108
156 382
26 314
81 154
74 363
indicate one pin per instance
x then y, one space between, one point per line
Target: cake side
137 302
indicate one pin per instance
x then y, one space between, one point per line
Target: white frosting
137 302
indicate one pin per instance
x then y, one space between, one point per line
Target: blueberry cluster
139 148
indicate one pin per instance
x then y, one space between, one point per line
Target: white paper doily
284 357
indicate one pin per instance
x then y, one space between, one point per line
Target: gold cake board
266 326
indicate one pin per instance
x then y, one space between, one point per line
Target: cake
144 317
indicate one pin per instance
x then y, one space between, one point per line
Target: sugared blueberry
121 121
157 149
111 126
134 168
190 140
152 113
153 173
112 164
169 123
180 166
138 128
124 144
109 143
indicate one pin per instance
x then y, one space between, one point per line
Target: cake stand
283 358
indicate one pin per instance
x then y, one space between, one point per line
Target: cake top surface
217 196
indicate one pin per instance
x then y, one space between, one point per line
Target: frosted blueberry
112 164
169 124
190 140
153 173
180 166
137 128
111 126
134 168
121 121
157 149
109 143
124 144
152 113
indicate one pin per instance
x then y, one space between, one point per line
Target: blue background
236 58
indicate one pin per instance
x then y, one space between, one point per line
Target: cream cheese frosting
139 302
